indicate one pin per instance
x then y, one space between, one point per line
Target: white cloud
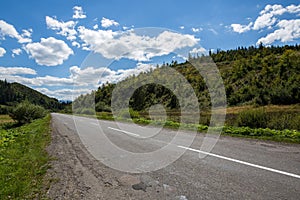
95 76
27 33
75 44
7 29
196 30
241 28
293 8
15 52
95 26
116 45
66 29
89 75
2 52
181 27
63 94
288 30
78 13
16 70
199 51
49 51
36 81
105 23
267 18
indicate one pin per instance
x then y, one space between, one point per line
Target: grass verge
292 136
24 160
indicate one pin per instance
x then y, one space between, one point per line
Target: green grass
24 160
5 119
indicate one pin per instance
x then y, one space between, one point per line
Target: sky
64 48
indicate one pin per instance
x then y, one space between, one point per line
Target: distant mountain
14 93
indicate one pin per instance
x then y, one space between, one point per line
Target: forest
12 94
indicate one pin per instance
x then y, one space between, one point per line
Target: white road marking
126 132
243 162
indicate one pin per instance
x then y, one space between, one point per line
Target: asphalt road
90 151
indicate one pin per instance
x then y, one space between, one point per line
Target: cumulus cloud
116 45
49 51
284 29
105 23
15 52
89 75
7 29
181 27
66 29
288 30
2 51
16 70
267 18
78 13
241 28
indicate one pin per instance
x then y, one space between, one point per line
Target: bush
102 107
132 114
25 112
254 118
4 110
88 111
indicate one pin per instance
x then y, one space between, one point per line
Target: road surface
236 168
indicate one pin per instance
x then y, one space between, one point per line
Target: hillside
13 93
252 76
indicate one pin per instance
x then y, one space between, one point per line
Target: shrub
101 106
25 112
88 111
4 110
132 114
254 118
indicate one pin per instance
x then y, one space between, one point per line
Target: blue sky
53 45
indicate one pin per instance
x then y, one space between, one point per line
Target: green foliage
252 118
251 76
278 135
25 112
102 107
132 114
105 115
87 111
4 109
260 118
24 160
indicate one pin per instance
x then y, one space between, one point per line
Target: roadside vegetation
23 157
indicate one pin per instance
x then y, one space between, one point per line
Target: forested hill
14 93
252 76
